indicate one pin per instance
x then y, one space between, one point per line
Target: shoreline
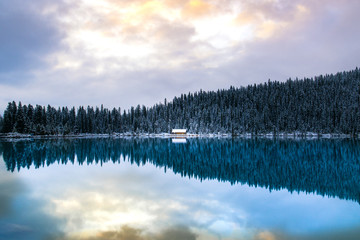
295 135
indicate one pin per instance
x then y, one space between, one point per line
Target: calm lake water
157 189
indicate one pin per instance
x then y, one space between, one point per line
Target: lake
161 188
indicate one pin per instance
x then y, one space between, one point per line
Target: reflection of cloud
124 201
10 187
129 233
177 233
184 233
266 235
136 197
21 216
349 234
94 199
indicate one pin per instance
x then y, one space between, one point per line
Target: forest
323 104
324 167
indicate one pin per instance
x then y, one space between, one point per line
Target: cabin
178 131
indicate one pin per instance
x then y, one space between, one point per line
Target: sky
123 53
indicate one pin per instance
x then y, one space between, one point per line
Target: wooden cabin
178 131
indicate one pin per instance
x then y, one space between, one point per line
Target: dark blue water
152 188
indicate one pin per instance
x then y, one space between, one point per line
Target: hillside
323 104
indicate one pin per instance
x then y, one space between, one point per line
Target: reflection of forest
326 167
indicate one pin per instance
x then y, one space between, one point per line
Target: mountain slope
324 104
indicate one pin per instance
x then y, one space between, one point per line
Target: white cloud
123 54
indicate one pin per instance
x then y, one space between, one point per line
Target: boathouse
178 131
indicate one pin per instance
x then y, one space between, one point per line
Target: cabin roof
178 131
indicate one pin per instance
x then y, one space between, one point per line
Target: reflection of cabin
178 140
178 131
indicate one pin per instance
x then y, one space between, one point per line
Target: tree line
323 104
324 167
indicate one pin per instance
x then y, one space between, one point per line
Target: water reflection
178 140
20 215
131 196
325 167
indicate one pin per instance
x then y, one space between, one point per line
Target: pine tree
323 104
10 117
20 119
1 123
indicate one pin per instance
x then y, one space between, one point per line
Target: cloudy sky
122 53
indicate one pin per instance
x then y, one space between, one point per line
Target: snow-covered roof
178 131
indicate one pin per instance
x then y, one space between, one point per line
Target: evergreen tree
29 123
20 119
9 117
324 104
1 123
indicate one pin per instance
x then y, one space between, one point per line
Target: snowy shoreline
295 135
